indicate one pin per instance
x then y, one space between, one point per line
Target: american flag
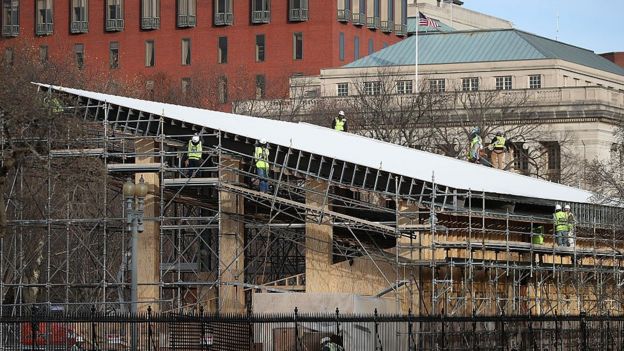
426 21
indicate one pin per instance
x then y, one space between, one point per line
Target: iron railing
114 25
187 21
150 23
298 15
201 331
344 15
79 27
358 19
223 18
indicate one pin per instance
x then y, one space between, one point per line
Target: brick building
248 48
615 57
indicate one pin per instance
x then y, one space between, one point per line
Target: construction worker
194 155
476 145
571 222
561 226
261 156
327 344
500 146
340 122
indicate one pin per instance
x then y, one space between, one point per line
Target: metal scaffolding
450 251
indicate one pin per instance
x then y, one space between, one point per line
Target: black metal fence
305 332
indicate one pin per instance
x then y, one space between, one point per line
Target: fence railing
296 331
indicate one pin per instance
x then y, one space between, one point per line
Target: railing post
557 336
503 339
34 328
442 341
203 328
410 334
338 334
474 330
93 330
149 329
583 332
296 330
378 345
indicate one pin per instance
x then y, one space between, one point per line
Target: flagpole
416 49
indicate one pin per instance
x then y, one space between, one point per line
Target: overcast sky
596 25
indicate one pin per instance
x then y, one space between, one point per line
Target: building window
260 47
553 151
222 50
79 19
186 85
503 83
297 10
341 46
150 14
10 18
405 87
260 86
79 54
43 53
372 88
113 49
344 10
186 52
359 16
223 90
521 158
343 89
298 46
437 85
261 11
150 53
375 21
470 84
45 24
371 46
356 48
535 81
223 15
8 56
187 10
114 15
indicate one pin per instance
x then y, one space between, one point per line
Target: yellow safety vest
499 143
340 124
561 221
475 143
262 157
194 151
56 105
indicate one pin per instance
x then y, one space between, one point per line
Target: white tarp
358 150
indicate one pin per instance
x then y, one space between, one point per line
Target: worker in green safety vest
340 122
194 155
261 157
562 226
476 145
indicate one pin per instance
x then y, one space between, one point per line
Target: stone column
231 244
148 262
318 241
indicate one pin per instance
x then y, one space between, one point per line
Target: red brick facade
320 42
616 57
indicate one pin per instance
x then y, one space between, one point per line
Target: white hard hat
557 207
325 339
341 113
195 138
263 141
566 207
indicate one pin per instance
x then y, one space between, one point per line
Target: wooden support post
149 241
318 239
231 243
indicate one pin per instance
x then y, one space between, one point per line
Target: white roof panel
358 150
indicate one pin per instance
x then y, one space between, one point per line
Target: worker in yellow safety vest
340 122
261 156
500 147
476 145
194 155
562 226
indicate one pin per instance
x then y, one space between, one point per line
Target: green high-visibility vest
475 144
499 143
262 157
340 124
561 221
194 151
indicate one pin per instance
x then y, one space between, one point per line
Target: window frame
222 89
150 52
297 49
260 11
114 23
521 159
186 13
79 23
260 48
43 53
223 13
437 85
79 55
10 18
298 10
532 78
260 86
372 88
503 82
404 87
44 25
186 53
342 89
113 55
473 84
222 50
150 14
185 85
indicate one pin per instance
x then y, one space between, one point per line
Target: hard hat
557 207
499 133
195 139
341 113
263 141
566 207
325 339
476 130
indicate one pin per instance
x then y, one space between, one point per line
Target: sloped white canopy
356 149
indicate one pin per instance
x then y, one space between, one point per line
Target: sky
597 25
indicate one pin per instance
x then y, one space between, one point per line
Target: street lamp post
134 197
